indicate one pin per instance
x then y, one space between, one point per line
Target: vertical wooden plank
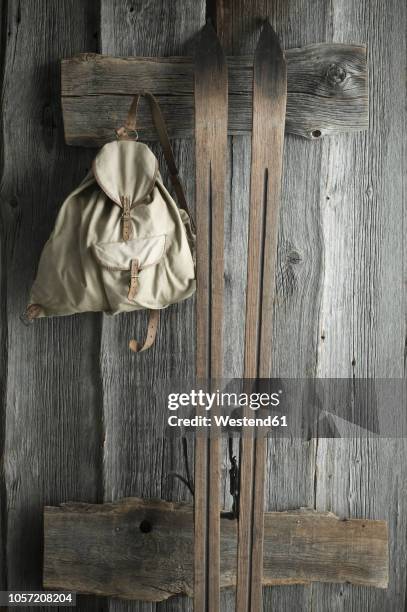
269 102
299 257
211 116
236 229
201 530
362 190
317 271
52 419
274 106
3 335
138 453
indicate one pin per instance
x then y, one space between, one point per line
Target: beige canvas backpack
120 243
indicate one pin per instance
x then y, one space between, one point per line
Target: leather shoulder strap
159 124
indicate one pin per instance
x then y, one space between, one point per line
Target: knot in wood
294 257
335 75
145 526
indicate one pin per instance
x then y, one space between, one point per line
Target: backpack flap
126 169
132 256
119 255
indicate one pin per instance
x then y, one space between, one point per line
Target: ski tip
207 33
269 42
208 48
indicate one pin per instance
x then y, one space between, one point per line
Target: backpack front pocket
130 272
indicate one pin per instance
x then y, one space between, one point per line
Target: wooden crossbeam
143 549
327 93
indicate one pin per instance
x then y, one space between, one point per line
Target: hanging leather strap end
153 320
33 311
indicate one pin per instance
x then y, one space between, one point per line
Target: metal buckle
124 133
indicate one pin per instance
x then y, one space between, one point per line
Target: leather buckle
124 133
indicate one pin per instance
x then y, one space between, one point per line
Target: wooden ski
211 112
269 107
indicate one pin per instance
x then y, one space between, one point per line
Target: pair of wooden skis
211 110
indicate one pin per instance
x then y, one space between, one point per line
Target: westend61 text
227 421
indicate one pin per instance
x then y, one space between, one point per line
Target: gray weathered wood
139 455
3 370
290 484
340 296
336 263
327 93
51 416
367 333
141 549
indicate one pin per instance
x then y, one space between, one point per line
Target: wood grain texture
335 262
51 418
367 333
139 453
290 477
103 549
269 100
211 116
3 348
327 92
339 289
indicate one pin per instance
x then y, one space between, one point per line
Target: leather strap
32 312
153 320
124 133
129 131
134 274
127 228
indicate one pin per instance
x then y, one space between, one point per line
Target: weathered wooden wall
78 411
341 300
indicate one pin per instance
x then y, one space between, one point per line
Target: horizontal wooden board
140 549
327 93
